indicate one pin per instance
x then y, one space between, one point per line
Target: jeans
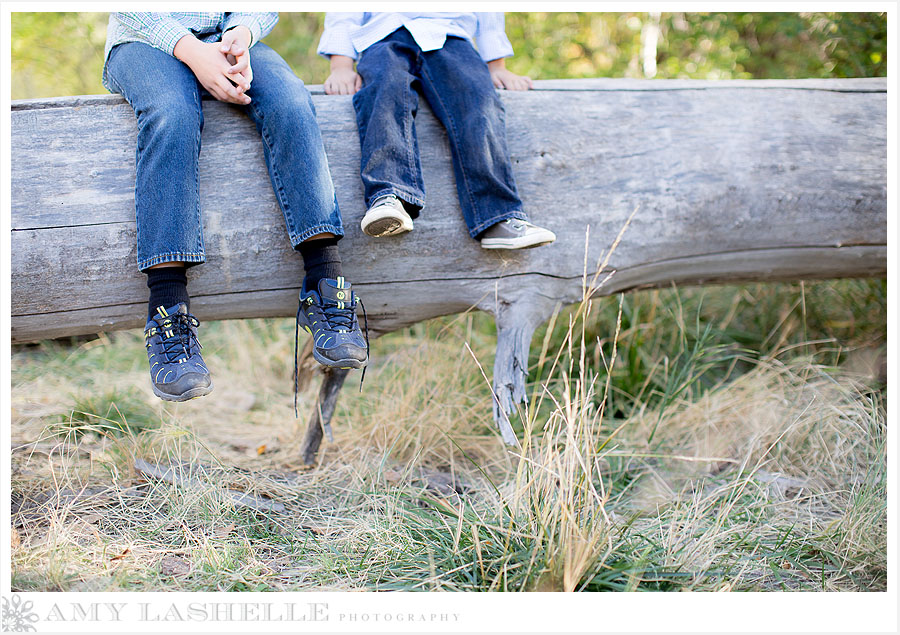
165 96
457 85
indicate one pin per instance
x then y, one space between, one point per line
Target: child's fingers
241 79
517 82
235 48
240 64
241 85
219 93
216 92
230 93
342 85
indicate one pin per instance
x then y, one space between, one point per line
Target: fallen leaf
122 555
442 483
221 532
315 530
174 565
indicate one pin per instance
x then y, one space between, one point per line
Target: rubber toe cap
345 352
186 383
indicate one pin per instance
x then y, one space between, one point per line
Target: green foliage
114 412
773 45
56 54
296 37
678 343
700 45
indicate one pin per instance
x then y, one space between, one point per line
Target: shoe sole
343 364
193 393
516 243
386 225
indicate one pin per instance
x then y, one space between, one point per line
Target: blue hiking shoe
329 315
177 371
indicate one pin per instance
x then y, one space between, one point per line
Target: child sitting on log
162 64
399 54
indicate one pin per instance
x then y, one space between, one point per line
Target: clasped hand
222 68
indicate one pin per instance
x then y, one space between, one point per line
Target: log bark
731 180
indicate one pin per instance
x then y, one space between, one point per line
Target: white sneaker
386 217
515 234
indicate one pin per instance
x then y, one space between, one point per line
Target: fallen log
730 180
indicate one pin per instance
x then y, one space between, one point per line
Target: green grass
729 438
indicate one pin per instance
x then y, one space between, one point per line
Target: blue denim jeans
165 96
457 85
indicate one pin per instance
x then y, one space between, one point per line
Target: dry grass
773 478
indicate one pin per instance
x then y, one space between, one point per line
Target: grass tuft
729 438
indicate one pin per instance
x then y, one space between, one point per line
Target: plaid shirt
351 33
163 30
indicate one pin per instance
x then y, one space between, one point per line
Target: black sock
168 287
321 259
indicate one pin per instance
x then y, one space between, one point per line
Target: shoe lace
183 338
341 317
388 199
366 318
296 357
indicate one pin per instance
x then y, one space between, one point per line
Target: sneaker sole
516 243
193 393
385 226
343 364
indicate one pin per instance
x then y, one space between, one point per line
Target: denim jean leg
165 97
386 107
457 84
284 114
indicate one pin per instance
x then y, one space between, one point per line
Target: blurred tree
773 45
700 45
296 37
57 54
62 53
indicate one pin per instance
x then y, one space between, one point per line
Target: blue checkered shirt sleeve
260 24
162 31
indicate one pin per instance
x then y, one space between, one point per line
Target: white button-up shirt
352 33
